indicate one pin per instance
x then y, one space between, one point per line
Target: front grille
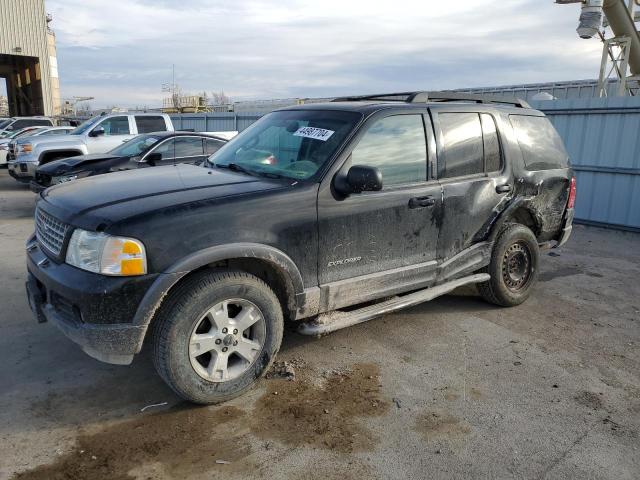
23 167
50 232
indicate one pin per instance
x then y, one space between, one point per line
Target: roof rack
423 97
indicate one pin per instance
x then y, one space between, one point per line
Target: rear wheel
513 267
217 336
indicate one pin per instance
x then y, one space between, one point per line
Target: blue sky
121 51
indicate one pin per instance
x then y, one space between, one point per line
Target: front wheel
217 336
513 267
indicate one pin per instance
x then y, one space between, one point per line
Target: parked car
34 132
5 142
96 135
149 150
372 204
10 125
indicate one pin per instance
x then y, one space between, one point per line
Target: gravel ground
454 388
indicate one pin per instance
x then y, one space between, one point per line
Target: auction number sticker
315 133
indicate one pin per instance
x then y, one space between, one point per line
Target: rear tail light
572 193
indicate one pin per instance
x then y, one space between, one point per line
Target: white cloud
122 51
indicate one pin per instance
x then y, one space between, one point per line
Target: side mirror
153 158
362 178
97 132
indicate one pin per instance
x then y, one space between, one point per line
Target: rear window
148 124
542 147
30 123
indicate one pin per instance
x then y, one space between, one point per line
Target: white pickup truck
97 135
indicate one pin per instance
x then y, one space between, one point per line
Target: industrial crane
621 53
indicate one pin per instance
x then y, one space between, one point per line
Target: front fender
170 277
78 149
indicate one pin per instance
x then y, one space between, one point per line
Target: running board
332 321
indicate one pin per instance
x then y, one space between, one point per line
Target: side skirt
329 322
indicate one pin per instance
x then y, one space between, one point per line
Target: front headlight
24 148
101 253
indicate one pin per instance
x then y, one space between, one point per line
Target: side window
166 149
463 147
212 146
541 146
115 126
492 155
18 124
188 147
395 145
148 124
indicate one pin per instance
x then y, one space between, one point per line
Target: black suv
327 214
148 150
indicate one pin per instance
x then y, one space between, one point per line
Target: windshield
84 126
4 123
293 144
135 146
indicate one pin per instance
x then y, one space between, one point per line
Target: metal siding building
559 90
28 58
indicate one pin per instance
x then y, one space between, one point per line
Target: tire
197 310
513 267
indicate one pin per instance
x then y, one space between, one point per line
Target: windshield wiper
235 167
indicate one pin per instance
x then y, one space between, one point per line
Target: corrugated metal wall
214 122
602 136
23 25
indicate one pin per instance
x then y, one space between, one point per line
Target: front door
116 130
378 243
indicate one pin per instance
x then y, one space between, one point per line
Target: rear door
475 180
376 243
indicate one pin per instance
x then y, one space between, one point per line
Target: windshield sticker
315 133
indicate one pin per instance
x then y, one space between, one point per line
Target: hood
57 139
60 167
106 199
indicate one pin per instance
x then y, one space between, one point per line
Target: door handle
503 188
420 202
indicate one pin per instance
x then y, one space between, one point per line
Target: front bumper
36 187
22 171
567 228
94 311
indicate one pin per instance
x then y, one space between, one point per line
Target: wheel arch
46 156
267 263
518 212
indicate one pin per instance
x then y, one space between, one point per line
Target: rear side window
463 145
212 146
541 146
395 145
188 147
148 124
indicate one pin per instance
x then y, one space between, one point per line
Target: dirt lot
454 388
